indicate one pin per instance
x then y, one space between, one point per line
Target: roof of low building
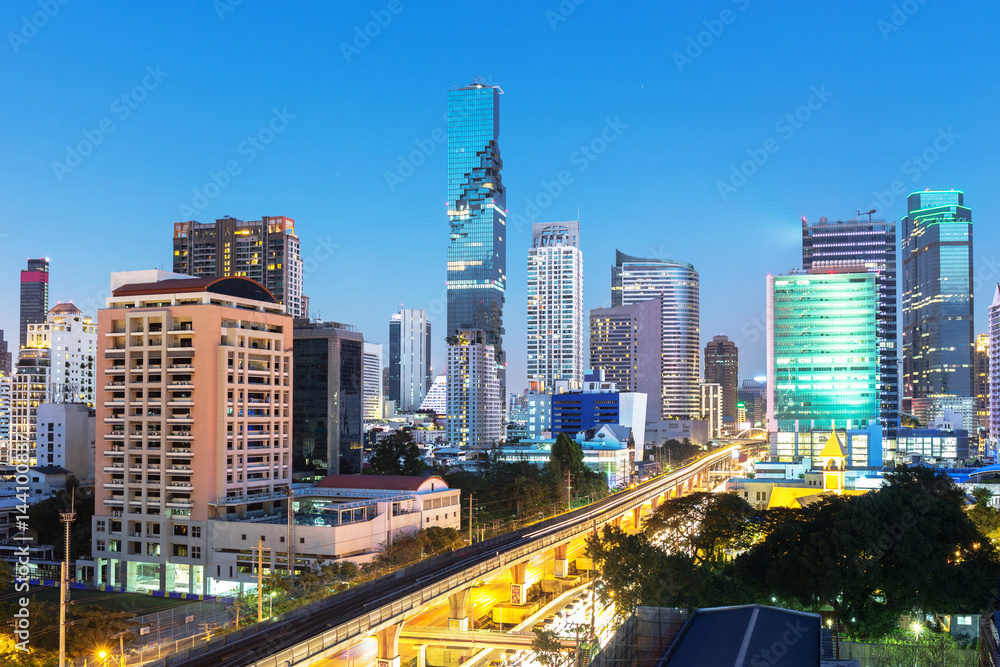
65 309
383 483
746 635
237 286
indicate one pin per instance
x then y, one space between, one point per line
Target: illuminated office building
873 244
265 250
938 333
555 306
477 252
722 366
822 349
634 279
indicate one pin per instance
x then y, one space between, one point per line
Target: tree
907 546
566 461
396 454
703 525
548 650
636 572
43 517
985 518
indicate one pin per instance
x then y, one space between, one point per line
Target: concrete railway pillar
422 655
654 502
518 590
637 517
388 646
562 562
458 609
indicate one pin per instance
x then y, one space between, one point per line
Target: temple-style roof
833 449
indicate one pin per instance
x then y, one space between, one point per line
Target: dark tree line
907 547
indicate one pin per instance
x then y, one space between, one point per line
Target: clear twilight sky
900 91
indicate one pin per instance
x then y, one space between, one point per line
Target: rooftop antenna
868 213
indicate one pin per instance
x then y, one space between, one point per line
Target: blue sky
692 90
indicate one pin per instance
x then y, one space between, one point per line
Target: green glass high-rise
938 334
823 349
477 256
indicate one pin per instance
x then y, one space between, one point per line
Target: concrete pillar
562 564
655 502
637 517
518 590
458 609
388 646
422 655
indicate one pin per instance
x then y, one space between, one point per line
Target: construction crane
868 213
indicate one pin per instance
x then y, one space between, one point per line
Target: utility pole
470 518
67 519
121 648
290 533
260 580
569 498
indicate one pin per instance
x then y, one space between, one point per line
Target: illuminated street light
917 628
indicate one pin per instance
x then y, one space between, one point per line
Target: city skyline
334 208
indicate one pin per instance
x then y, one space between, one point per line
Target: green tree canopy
702 525
396 454
908 546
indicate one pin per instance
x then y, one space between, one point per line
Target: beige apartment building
194 423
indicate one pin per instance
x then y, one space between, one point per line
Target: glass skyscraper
634 279
872 242
477 257
822 349
938 334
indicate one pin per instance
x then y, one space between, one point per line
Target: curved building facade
676 284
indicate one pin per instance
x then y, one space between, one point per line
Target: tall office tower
475 404
409 358
753 395
34 295
712 407
937 295
5 356
633 280
981 381
994 357
555 306
55 366
722 366
194 414
437 396
5 389
265 250
625 344
477 215
373 381
328 411
872 242
822 349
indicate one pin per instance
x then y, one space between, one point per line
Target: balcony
180 435
117 484
181 452
179 486
179 470
114 468
115 435
115 501
115 403
180 503
114 370
181 367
